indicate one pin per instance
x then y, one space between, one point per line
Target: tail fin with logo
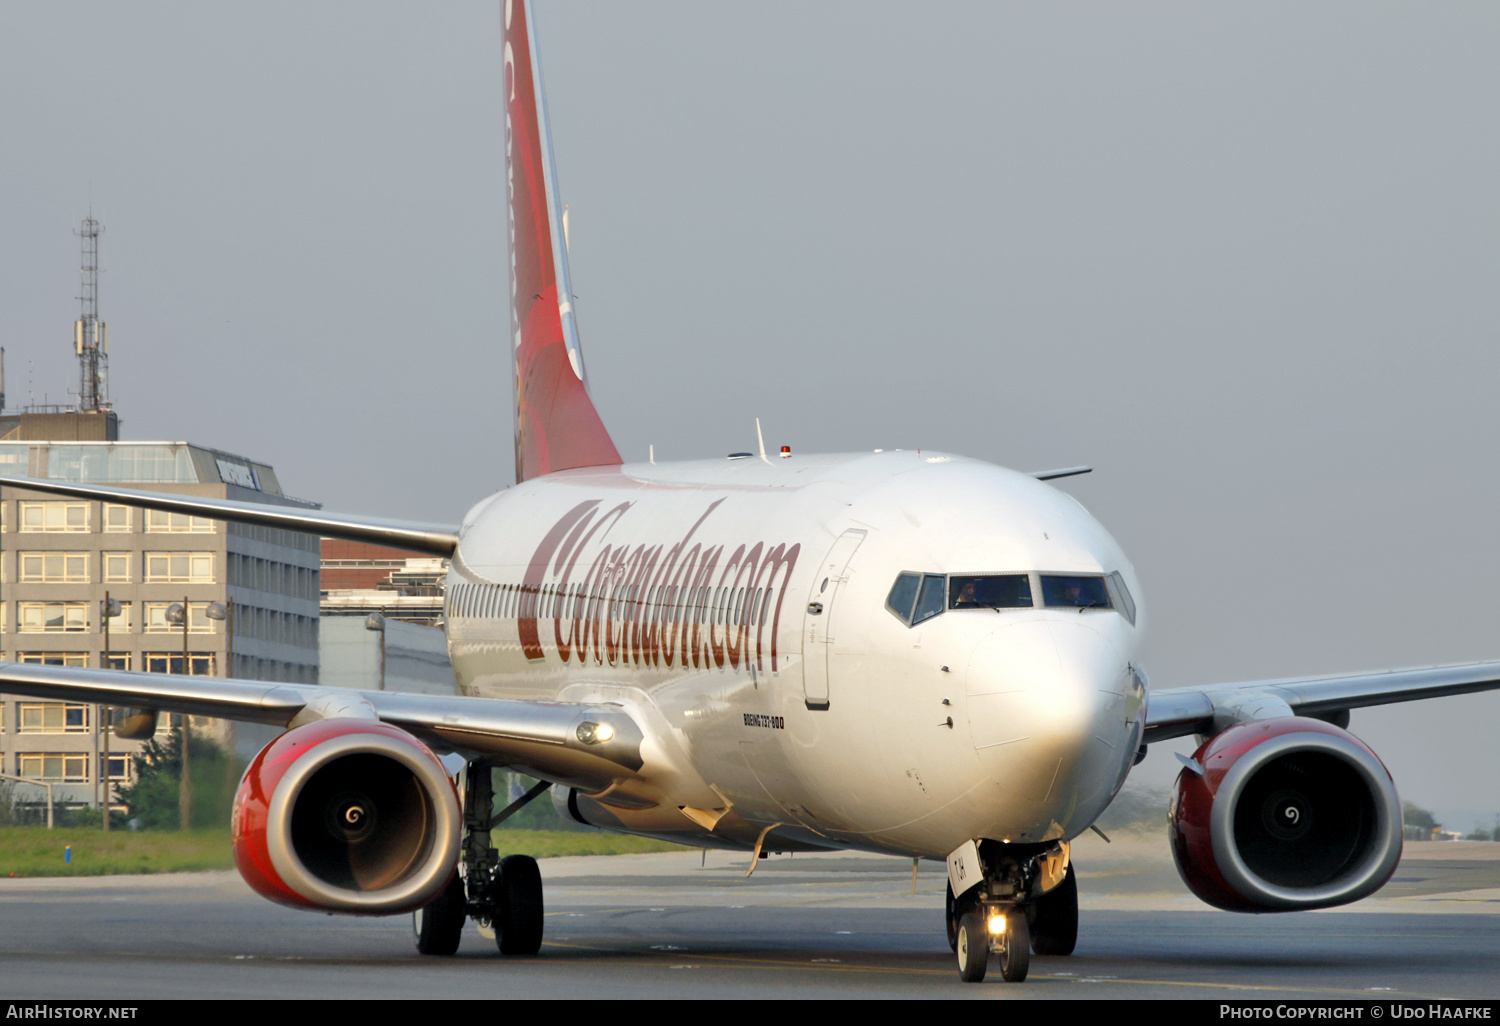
556 426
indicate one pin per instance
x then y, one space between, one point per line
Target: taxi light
595 733
997 925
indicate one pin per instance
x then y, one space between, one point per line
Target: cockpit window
930 601
1121 594
1078 592
989 591
903 596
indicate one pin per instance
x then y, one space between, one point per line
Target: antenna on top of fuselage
761 439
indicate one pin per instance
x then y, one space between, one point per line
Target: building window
162 522
54 658
119 766
52 617
53 718
55 768
116 567
171 662
117 519
113 660
198 621
54 516
180 567
54 567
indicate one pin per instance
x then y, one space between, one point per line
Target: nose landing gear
999 930
1018 898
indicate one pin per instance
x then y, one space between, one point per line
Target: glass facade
121 463
115 462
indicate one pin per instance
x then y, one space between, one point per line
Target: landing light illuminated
595 733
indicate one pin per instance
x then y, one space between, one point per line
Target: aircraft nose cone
1044 700
1040 679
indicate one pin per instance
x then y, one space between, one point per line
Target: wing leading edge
1207 709
438 539
541 738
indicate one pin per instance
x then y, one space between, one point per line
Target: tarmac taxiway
690 926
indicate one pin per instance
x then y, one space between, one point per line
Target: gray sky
1240 258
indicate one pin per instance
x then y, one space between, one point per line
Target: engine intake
347 815
1287 814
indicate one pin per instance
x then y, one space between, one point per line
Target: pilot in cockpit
965 598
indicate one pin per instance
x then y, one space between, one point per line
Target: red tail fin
557 427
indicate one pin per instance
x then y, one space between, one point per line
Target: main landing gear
504 893
1025 899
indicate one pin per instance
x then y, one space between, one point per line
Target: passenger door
818 620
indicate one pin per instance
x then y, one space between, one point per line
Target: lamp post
108 610
178 613
376 622
224 611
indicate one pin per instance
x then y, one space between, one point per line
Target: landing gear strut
503 893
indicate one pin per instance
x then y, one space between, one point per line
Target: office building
61 558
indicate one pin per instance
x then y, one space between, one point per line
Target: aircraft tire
439 926
1055 921
518 906
950 913
1015 960
972 947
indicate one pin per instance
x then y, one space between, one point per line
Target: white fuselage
738 610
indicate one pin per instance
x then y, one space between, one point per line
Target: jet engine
1284 814
347 815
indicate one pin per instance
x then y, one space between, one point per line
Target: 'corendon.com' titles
648 604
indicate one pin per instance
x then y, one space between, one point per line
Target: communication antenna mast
90 334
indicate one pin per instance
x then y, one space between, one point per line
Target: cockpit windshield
989 591
916 597
930 601
1078 592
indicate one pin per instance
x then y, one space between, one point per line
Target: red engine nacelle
347 815
1288 814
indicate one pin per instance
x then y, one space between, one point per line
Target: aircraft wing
543 739
1207 709
439 539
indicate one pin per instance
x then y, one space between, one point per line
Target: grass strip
36 851
545 844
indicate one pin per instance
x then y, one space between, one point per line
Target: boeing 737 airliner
900 652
